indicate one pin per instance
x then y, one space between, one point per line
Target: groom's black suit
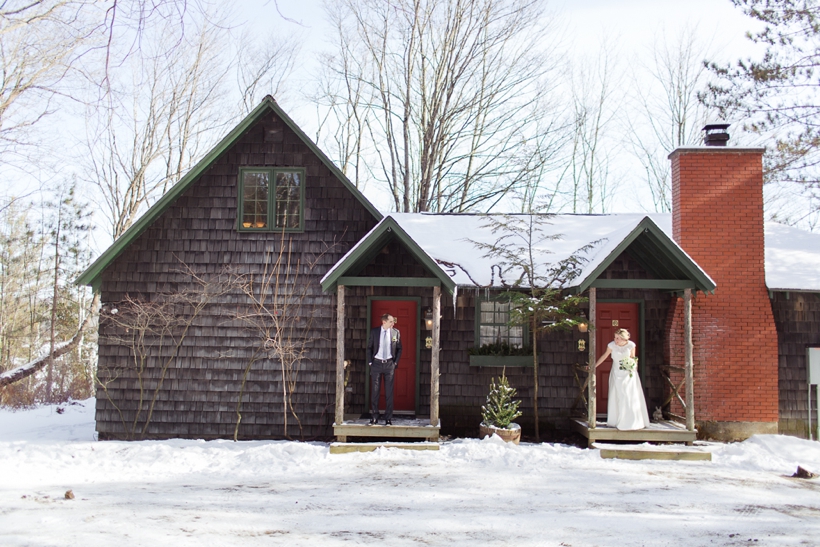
382 369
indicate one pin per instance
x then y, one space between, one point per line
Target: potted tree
499 411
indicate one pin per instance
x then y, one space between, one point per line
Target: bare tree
344 104
152 129
454 92
593 91
154 331
264 69
667 112
41 43
280 316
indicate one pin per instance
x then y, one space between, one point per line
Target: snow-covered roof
792 259
452 245
451 241
458 244
792 255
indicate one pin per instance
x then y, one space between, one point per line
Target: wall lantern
428 319
583 326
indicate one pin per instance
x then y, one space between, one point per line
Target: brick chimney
717 216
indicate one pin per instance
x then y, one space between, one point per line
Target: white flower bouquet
629 364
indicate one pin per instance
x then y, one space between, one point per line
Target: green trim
92 273
501 361
389 282
525 335
663 284
360 256
370 300
271 219
671 255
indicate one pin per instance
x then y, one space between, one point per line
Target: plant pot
510 435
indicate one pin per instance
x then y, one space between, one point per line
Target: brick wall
718 219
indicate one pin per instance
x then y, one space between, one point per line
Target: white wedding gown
626 407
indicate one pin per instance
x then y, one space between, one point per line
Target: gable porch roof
445 244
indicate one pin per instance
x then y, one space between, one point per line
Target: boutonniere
395 337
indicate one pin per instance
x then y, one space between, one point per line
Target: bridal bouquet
629 364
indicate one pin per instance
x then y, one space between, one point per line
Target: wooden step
346 448
401 428
651 452
661 432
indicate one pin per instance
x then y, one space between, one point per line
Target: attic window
271 199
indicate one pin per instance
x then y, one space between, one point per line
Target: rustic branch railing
581 399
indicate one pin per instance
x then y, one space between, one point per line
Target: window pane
288 199
255 186
494 325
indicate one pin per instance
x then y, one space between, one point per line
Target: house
265 246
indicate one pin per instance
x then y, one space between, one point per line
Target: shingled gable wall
717 215
201 387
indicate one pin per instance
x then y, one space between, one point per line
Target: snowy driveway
469 493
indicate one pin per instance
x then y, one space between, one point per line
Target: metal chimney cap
709 127
716 134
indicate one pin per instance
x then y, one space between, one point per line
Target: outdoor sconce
428 319
582 345
583 326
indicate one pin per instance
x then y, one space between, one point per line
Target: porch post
591 389
434 368
340 357
687 356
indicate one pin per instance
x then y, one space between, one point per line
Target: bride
626 407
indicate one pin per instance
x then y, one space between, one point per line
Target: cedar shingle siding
797 316
200 389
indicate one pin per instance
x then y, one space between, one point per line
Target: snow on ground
471 492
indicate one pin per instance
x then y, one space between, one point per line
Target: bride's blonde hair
623 333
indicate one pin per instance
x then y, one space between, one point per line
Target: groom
383 354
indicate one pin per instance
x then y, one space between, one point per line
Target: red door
609 318
404 386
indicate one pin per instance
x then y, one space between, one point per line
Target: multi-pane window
493 324
271 199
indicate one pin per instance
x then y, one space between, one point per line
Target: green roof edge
91 274
694 271
387 224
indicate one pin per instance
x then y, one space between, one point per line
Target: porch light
428 319
583 326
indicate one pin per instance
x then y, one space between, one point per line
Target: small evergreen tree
500 409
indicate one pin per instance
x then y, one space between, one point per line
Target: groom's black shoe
388 422
373 421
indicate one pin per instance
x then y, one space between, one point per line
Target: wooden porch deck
659 432
402 428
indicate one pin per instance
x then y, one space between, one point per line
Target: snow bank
471 492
